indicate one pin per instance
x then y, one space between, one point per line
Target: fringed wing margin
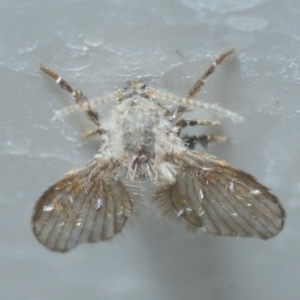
221 200
87 205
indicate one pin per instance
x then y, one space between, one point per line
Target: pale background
98 46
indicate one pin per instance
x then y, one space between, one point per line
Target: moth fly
142 140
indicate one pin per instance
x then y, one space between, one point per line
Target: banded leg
190 141
198 85
78 96
93 132
182 123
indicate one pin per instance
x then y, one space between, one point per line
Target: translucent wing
85 206
222 200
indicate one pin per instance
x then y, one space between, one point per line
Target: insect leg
184 123
198 85
190 141
78 96
93 132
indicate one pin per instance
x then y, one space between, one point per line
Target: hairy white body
139 138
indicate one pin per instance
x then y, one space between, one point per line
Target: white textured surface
98 46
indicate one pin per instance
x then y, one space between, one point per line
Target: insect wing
222 200
85 206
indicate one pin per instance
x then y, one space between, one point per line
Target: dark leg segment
93 132
184 123
190 141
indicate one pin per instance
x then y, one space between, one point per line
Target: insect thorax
140 138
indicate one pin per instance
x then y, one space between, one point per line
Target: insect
142 140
